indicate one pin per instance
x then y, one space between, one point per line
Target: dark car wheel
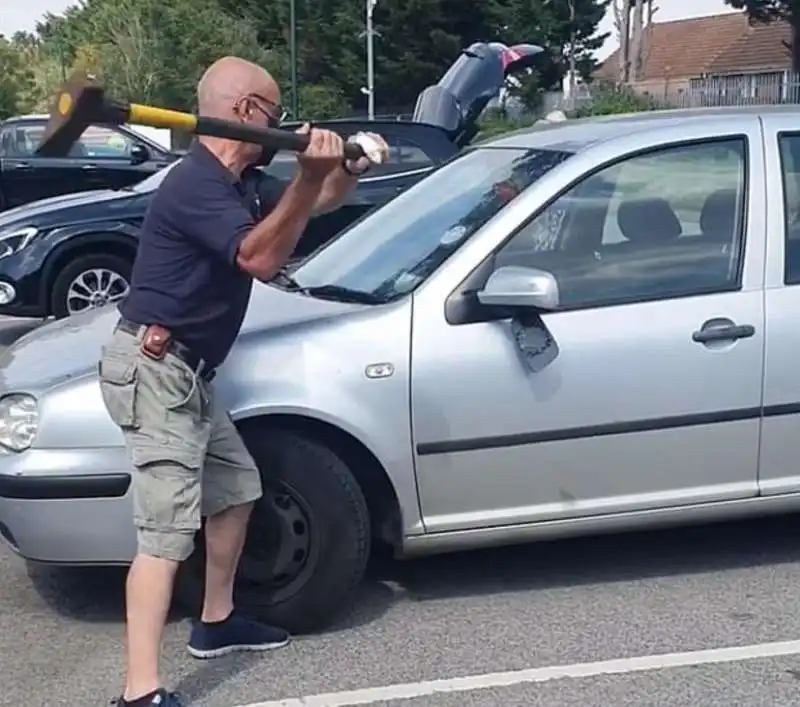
90 281
308 541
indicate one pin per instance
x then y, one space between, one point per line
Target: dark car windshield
396 247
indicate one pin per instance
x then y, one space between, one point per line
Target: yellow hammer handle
161 117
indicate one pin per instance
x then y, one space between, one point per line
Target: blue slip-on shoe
236 633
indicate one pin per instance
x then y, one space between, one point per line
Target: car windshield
396 247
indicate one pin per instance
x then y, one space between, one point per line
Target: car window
396 247
790 169
20 140
99 142
404 155
662 224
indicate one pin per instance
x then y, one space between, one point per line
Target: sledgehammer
83 102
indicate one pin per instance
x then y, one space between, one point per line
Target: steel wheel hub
279 542
95 288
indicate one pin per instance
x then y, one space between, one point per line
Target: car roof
579 134
30 116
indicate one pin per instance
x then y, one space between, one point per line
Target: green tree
149 50
567 29
420 39
15 78
772 10
417 40
329 51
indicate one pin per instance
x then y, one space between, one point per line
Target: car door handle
725 332
89 166
22 165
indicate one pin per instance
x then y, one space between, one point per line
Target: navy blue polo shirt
185 276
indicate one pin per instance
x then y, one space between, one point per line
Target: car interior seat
718 217
647 222
20 147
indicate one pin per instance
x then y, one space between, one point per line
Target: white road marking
620 666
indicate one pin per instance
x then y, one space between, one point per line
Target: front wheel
90 281
308 540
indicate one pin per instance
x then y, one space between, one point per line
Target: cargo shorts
188 459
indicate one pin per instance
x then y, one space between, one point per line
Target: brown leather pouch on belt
155 341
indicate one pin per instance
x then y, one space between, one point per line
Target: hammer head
78 104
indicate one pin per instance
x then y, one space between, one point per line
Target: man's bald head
228 81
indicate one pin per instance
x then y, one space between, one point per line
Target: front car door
108 158
780 442
647 405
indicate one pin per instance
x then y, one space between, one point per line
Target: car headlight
19 421
14 241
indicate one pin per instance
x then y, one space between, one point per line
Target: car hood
69 348
64 207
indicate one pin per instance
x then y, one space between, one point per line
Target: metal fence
768 88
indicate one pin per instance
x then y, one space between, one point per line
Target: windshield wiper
343 294
284 280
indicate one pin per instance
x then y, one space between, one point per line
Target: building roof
761 47
723 43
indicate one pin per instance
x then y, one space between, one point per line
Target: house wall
663 88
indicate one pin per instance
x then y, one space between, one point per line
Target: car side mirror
516 286
139 153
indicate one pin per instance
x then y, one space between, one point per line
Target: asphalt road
579 623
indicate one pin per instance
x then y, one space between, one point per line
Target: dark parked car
65 254
103 158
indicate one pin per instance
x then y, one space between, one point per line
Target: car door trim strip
604 430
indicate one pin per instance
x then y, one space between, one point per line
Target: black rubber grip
275 138
724 333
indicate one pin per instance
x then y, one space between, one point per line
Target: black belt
176 348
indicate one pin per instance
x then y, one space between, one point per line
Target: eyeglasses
275 113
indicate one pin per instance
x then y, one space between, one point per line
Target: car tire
307 490
83 263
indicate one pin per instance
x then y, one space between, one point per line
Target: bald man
205 237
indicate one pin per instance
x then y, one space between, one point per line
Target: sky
23 14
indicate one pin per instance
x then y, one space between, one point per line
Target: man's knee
175 545
237 489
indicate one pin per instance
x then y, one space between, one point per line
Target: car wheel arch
376 486
118 244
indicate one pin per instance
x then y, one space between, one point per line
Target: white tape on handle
373 150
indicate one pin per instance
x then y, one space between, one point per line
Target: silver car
586 327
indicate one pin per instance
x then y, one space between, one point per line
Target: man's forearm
271 242
338 185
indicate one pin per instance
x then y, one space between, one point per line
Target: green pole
293 52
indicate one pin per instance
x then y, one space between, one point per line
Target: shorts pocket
184 450
167 497
118 376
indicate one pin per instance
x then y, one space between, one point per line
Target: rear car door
654 399
26 177
780 441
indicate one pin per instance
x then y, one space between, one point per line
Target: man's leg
166 422
148 594
231 485
225 535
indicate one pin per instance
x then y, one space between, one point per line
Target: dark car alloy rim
280 551
95 288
